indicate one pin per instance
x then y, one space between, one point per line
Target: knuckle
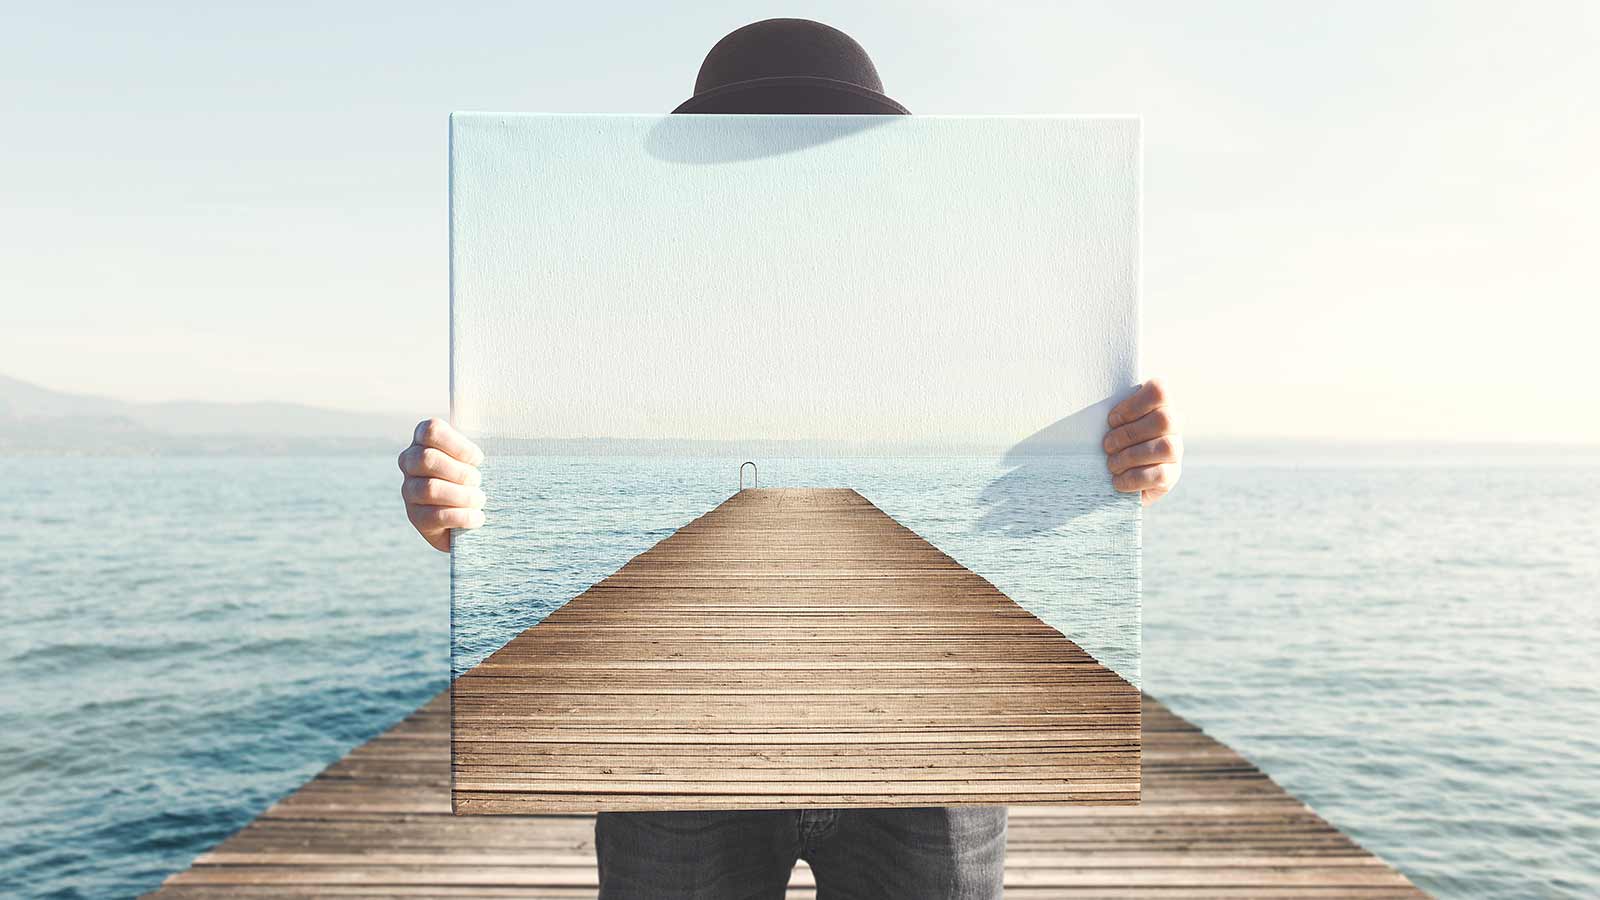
1161 420
428 431
428 492
431 461
1156 390
417 515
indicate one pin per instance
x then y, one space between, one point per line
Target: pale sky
1361 220
832 282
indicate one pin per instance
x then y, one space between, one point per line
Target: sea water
1406 642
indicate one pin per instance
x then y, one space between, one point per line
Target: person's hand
441 487
1144 450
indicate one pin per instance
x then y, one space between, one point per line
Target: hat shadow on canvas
776 67
826 86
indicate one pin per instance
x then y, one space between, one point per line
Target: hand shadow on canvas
1056 475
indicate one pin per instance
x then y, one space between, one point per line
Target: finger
438 492
428 462
1150 395
1165 449
1151 425
433 519
1146 478
441 435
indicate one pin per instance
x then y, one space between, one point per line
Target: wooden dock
962 683
378 824
791 648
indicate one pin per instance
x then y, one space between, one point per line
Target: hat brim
793 94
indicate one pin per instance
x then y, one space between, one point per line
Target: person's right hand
441 487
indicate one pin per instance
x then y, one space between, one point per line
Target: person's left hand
1144 450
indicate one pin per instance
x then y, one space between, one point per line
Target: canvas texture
795 488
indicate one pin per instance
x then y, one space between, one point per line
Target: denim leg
954 853
714 855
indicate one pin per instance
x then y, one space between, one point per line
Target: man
792 66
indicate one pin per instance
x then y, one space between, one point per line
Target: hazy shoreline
40 422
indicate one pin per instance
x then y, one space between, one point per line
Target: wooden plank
378 824
809 628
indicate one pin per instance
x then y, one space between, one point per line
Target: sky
1361 221
859 282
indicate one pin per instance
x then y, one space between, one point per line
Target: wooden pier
811 647
791 648
378 824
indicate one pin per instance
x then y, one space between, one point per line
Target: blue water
186 640
1408 645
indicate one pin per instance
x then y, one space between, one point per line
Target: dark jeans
881 854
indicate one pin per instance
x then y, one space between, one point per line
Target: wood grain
791 648
974 695
377 823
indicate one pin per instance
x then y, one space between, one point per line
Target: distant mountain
38 420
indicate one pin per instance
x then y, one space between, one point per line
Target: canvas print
796 492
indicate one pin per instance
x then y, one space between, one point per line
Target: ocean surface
1408 643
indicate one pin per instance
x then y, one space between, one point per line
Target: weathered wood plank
808 627
378 824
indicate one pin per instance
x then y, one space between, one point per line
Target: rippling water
186 640
1410 647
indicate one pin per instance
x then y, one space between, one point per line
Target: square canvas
795 490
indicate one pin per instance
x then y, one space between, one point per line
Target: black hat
789 66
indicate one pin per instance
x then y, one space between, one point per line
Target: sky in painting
951 283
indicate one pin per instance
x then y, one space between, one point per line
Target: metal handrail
755 474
